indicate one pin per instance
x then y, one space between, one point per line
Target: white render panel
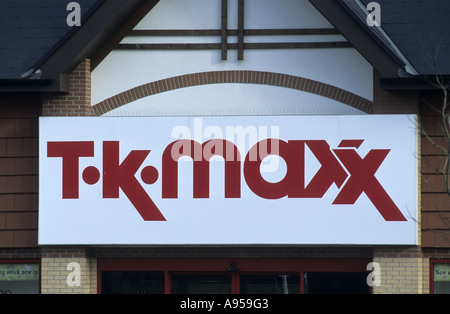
125 69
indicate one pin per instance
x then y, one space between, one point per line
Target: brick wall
402 271
55 261
394 102
20 253
232 252
68 271
19 169
435 199
406 270
401 268
78 101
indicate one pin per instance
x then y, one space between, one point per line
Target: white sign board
301 180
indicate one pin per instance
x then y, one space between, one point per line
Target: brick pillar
402 271
78 101
62 267
68 270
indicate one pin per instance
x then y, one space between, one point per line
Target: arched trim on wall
237 77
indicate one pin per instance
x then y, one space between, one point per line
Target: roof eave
58 84
380 58
420 82
98 33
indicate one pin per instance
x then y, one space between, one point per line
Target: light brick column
66 270
402 271
56 261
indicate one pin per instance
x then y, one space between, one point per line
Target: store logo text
342 166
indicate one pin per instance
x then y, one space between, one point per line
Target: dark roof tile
29 29
420 29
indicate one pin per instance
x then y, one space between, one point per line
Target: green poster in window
19 272
442 272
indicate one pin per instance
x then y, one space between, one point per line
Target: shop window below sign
441 278
19 278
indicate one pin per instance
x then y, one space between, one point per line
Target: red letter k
122 176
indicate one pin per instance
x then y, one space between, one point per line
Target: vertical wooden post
224 32
241 30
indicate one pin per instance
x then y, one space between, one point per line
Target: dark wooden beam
208 46
234 32
171 46
290 31
299 45
240 29
224 30
122 31
175 32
